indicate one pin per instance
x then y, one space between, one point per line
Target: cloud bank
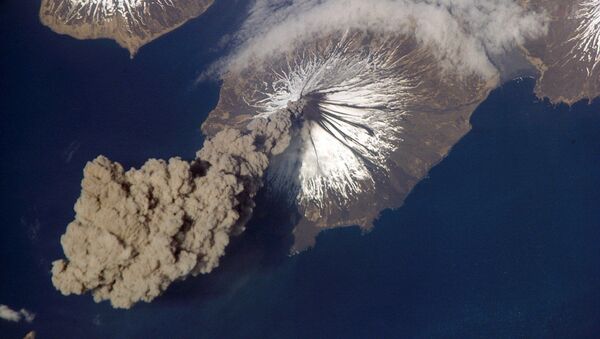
9 314
462 34
138 231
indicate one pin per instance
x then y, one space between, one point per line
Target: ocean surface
502 240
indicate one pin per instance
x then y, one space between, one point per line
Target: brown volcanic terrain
131 23
568 72
435 108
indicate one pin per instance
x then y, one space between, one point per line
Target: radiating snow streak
587 35
353 104
98 11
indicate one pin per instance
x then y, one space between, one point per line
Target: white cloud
463 34
9 314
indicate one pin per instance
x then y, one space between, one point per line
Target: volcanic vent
374 112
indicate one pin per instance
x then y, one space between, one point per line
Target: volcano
374 112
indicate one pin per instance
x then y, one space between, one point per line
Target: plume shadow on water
263 246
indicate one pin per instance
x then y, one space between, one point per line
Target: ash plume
136 232
463 34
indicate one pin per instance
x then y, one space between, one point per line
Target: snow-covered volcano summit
353 104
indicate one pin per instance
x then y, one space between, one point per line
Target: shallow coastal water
501 240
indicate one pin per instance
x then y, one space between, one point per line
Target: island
131 23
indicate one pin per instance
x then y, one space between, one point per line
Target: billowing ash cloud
136 232
462 33
9 314
587 35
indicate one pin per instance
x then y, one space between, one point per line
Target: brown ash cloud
135 232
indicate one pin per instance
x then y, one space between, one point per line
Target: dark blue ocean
502 240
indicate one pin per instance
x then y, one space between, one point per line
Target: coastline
115 28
